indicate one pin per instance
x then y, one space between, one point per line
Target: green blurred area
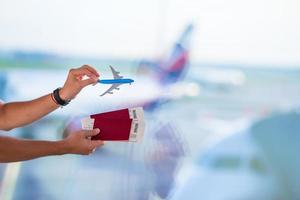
55 62
9 63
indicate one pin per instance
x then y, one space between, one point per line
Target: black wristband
58 99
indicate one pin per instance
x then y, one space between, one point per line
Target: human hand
77 79
79 142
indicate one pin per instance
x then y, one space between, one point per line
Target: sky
231 31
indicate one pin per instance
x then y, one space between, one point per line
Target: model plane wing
115 73
109 91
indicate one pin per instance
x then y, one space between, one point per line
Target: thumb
92 132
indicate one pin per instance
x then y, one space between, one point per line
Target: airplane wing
115 73
109 91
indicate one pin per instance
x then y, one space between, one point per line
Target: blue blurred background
219 82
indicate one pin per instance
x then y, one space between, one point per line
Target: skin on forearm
17 114
13 149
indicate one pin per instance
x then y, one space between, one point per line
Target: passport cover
120 125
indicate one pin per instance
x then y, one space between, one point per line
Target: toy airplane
116 82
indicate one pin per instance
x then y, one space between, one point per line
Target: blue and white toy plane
116 82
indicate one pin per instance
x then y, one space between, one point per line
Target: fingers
91 69
81 72
88 71
85 70
97 143
94 145
91 132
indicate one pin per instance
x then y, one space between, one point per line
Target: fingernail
97 130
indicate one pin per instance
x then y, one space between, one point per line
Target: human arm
13 149
17 114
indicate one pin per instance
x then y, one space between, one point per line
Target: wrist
58 99
62 147
64 94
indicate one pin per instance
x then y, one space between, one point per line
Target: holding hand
77 79
80 143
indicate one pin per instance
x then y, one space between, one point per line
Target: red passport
119 125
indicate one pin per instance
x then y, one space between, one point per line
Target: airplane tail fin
172 68
176 65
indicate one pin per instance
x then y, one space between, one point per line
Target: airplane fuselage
115 81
